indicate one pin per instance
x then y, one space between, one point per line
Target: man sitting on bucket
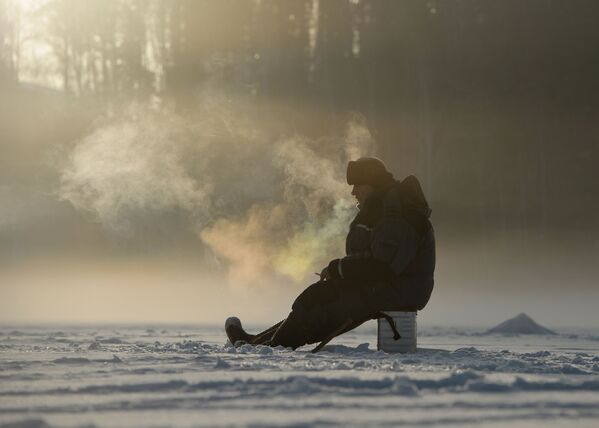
389 264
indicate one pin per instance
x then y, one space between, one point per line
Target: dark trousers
322 308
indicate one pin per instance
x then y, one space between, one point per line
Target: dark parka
391 244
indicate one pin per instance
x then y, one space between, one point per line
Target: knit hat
368 171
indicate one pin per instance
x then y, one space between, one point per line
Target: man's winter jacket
391 243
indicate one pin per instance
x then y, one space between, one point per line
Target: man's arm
359 268
395 243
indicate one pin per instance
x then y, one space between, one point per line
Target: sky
157 167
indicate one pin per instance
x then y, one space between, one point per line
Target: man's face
362 192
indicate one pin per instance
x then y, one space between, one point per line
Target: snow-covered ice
188 376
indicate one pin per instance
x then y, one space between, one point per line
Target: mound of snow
520 324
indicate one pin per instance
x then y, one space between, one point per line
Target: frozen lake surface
118 376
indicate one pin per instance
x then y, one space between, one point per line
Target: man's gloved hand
324 274
334 270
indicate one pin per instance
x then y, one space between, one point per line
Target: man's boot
235 331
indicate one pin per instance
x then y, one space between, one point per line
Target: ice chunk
221 364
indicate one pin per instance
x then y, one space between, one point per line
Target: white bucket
406 326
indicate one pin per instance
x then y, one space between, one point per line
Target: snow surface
188 376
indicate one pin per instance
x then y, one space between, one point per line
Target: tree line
479 98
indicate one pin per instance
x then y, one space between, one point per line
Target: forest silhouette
468 94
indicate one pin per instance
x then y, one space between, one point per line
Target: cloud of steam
294 236
269 208
130 169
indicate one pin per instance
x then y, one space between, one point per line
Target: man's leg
265 336
322 309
